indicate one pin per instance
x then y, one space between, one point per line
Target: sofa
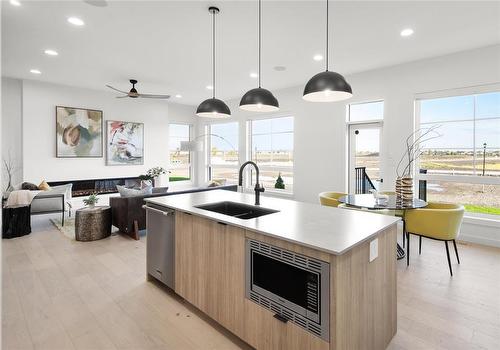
129 216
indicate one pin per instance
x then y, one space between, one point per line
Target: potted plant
280 184
155 174
91 200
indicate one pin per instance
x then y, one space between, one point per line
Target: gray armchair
56 200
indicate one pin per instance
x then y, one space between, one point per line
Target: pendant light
327 86
213 107
259 99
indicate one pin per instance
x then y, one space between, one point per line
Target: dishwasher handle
166 213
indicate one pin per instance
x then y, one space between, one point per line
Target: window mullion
474 137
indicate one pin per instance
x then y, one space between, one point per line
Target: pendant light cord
213 53
327 35
259 42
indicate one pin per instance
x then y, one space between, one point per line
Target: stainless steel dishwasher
160 253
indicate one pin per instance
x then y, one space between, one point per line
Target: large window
223 155
271 147
463 164
180 161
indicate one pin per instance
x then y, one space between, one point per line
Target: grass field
178 178
482 209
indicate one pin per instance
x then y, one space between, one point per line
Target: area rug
68 230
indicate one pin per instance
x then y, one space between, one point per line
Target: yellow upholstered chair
331 199
440 221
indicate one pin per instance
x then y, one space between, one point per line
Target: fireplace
100 186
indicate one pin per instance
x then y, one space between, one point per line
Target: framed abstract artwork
125 143
78 133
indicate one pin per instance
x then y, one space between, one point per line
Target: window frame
249 154
208 147
470 179
349 172
365 121
190 164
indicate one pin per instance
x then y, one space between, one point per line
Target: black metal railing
422 186
363 182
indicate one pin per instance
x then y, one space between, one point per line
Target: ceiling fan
134 94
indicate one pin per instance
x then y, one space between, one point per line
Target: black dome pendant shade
327 86
213 107
259 99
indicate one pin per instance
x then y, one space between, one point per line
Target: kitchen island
300 276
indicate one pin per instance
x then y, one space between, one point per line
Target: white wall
11 128
38 130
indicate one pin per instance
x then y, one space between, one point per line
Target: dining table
390 203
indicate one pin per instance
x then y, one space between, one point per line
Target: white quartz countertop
328 229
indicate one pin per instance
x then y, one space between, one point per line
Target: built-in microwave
293 286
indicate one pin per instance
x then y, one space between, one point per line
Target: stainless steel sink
237 210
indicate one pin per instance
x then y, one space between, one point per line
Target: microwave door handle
280 318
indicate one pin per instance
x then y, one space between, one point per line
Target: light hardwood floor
62 294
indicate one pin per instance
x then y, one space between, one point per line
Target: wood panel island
282 275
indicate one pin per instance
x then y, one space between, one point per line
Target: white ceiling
166 44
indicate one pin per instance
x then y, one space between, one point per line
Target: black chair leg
456 250
448 256
408 249
419 245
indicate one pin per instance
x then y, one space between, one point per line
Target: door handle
280 318
166 213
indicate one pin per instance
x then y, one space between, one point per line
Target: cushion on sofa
131 192
29 186
44 186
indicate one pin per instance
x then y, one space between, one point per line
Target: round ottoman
92 224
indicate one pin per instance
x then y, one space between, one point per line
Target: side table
16 221
92 224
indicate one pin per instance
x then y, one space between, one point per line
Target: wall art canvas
125 143
78 132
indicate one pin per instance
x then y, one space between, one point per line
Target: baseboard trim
479 240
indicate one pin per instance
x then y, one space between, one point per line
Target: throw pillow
130 192
29 186
158 190
44 186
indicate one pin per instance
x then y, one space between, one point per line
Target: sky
455 115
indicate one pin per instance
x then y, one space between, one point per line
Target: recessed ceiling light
254 75
318 57
51 52
35 71
178 96
76 21
279 68
210 87
15 3
407 32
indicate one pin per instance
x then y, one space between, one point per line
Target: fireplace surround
86 187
